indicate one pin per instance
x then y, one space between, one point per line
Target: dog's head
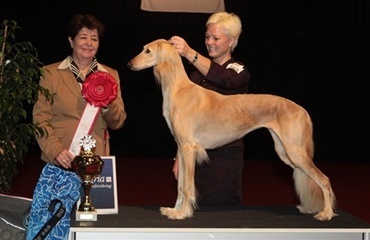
150 56
164 59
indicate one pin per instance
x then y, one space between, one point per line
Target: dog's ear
160 51
167 53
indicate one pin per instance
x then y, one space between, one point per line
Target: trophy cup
88 166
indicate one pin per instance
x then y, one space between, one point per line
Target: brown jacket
62 117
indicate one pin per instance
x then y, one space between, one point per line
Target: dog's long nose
132 66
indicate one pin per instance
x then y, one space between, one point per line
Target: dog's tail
309 193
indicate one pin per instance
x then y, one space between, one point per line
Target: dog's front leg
174 213
186 195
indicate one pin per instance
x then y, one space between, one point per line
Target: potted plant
20 71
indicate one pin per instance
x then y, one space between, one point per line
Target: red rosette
99 89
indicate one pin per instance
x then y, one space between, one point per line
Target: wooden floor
149 181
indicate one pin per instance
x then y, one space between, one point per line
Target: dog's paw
325 215
172 213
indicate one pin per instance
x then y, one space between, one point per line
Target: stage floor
257 222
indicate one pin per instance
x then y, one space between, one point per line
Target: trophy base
86 216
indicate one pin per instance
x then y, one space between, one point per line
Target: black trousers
220 181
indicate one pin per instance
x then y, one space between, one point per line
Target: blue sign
103 192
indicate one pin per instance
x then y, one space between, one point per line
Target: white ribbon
85 126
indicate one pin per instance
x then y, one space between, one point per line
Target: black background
312 52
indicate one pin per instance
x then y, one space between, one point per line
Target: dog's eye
147 50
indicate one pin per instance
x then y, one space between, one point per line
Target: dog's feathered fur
201 119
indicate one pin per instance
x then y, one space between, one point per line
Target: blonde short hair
230 23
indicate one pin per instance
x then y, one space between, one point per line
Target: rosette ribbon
99 90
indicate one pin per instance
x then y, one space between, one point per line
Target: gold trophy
88 166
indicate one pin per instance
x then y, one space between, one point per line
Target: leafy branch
20 71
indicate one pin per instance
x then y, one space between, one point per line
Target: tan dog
201 119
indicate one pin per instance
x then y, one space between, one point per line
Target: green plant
20 71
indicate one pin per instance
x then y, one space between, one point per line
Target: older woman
75 113
64 80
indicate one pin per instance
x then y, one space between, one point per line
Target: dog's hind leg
314 191
186 197
312 186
